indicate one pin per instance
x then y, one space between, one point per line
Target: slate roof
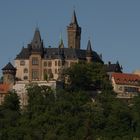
36 46
24 54
55 53
9 66
113 67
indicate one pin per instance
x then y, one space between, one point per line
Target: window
45 63
35 61
59 63
55 71
120 88
131 89
25 70
45 70
49 71
25 77
22 62
59 71
55 63
35 74
49 63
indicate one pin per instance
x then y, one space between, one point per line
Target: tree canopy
71 113
87 76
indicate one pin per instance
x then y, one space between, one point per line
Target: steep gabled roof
113 67
37 36
24 54
9 66
37 43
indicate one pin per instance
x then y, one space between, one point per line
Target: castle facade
36 62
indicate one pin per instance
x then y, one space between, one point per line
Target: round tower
9 72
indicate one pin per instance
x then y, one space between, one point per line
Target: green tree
46 76
87 76
136 116
10 114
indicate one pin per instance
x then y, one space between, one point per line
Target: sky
113 26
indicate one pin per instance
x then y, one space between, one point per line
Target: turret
61 50
9 72
74 33
89 52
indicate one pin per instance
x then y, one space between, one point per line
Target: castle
35 61
44 65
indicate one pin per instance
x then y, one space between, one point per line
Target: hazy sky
112 25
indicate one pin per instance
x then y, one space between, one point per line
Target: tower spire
37 36
37 42
89 53
61 44
74 33
74 19
89 48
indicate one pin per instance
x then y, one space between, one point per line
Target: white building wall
20 74
20 88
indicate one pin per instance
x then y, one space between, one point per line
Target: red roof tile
4 88
125 78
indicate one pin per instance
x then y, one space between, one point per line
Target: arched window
25 77
22 62
45 64
25 70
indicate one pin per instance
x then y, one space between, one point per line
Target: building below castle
126 85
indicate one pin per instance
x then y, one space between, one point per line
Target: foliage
46 77
9 115
87 76
71 114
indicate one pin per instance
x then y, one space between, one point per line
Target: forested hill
71 113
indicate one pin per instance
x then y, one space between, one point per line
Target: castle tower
37 43
61 51
35 59
74 33
89 52
9 72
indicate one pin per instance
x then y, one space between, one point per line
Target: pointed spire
37 36
74 19
89 53
37 43
89 48
61 44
